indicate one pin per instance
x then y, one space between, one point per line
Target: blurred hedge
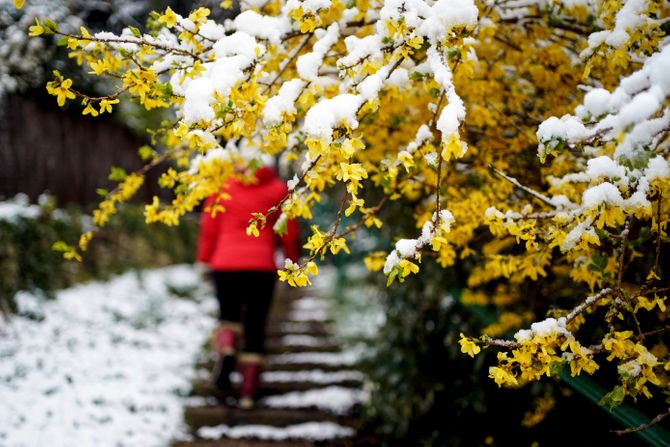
27 261
424 392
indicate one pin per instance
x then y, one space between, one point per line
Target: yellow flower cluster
296 275
516 219
539 356
637 365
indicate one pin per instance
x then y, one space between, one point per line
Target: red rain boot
251 372
225 338
225 341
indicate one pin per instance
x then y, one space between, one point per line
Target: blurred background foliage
27 262
422 391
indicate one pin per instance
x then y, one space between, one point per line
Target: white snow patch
312 375
262 26
296 327
283 103
319 358
605 193
308 315
308 64
306 340
310 303
337 399
604 167
329 113
407 247
317 431
18 206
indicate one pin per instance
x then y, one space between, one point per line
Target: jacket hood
265 174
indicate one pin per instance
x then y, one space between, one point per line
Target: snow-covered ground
104 364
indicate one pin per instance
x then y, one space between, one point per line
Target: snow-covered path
105 364
310 391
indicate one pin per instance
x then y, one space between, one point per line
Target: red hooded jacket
223 242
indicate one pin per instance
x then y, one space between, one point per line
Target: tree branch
643 427
515 182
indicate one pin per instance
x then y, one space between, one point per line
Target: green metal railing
628 416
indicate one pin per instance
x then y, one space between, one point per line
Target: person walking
243 268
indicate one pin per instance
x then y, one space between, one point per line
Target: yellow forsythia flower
468 346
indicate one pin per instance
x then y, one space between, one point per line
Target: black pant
245 296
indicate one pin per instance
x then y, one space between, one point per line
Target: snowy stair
309 392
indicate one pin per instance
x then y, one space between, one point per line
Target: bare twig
500 343
433 126
587 303
643 427
658 235
526 189
140 42
288 195
288 62
654 332
624 241
371 212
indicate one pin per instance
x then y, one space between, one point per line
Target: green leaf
614 398
281 228
145 152
50 26
117 174
62 41
61 246
453 54
598 262
416 76
254 164
166 90
136 32
553 22
392 276
555 369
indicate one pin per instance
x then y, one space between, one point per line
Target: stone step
227 442
294 361
276 347
212 415
304 365
250 443
207 388
286 327
209 366
279 328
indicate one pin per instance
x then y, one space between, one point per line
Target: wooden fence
48 150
